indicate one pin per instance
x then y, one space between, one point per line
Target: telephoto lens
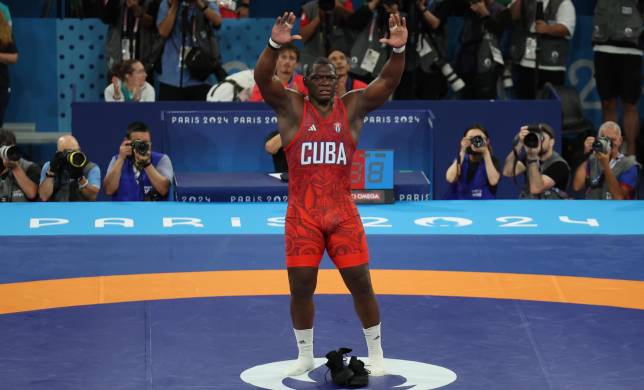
76 159
602 145
10 153
477 141
455 82
532 139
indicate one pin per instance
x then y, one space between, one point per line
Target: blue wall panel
81 65
33 78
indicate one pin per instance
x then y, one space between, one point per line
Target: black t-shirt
559 173
4 68
472 166
279 158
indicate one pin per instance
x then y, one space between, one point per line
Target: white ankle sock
374 346
304 362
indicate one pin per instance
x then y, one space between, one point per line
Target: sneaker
340 373
360 376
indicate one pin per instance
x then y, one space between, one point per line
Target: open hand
281 33
397 31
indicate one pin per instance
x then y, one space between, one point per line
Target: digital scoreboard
372 176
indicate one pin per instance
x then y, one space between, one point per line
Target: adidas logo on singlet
313 128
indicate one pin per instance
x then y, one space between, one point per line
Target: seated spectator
287 62
137 173
234 9
8 56
474 174
69 176
237 87
546 172
607 173
346 82
18 177
273 146
128 84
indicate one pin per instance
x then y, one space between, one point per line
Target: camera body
602 145
140 147
478 141
9 153
534 137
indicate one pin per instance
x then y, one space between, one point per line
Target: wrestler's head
320 79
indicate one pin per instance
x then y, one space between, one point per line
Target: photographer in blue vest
137 173
540 39
69 176
546 173
606 173
617 43
474 174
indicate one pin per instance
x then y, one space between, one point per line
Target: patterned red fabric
321 213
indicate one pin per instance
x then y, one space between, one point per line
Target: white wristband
399 50
273 44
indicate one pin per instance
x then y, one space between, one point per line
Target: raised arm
379 90
271 88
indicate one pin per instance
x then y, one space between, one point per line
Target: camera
534 137
10 153
477 141
455 82
68 160
602 145
141 147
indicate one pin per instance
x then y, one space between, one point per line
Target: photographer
69 176
606 173
132 31
370 23
426 67
137 173
191 51
323 23
546 172
18 177
542 33
479 60
474 174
